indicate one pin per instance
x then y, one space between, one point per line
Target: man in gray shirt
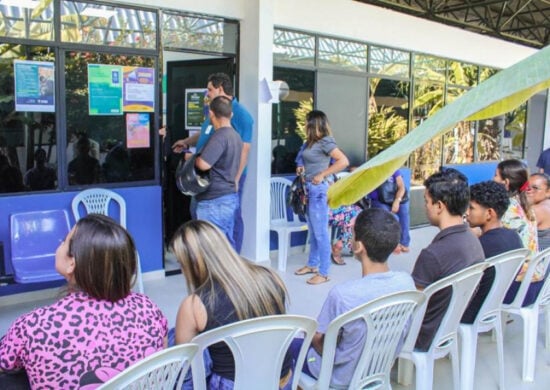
221 155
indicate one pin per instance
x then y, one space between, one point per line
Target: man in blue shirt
219 84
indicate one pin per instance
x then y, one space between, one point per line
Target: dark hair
105 258
379 232
223 80
317 126
221 107
544 176
517 174
450 187
491 195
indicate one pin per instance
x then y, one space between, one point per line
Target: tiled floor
307 300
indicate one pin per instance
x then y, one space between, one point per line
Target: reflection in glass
389 62
26 22
429 68
98 149
488 139
106 25
199 33
289 118
28 158
388 113
342 54
462 74
429 97
290 47
458 142
514 132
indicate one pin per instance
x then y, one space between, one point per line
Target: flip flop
337 260
318 279
305 270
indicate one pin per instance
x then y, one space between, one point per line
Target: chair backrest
279 210
538 264
97 201
160 370
385 320
35 236
506 266
259 346
463 284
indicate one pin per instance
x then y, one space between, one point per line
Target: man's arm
201 164
317 342
244 160
185 143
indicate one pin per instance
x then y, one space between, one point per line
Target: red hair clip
524 187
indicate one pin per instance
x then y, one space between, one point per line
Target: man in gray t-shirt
221 155
377 234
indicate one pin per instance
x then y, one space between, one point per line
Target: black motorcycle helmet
189 179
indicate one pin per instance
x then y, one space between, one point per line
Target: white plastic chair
385 320
160 370
283 220
445 341
259 346
530 313
98 201
506 267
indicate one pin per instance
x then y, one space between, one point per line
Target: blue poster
34 86
105 89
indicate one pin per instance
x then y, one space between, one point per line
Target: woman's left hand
395 207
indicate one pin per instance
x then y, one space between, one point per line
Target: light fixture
98 12
20 3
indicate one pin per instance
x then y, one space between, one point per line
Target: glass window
105 148
199 33
389 62
485 73
289 118
106 25
388 114
24 19
488 139
429 97
28 158
429 68
290 47
513 136
461 74
341 54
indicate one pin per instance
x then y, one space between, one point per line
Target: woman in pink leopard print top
100 327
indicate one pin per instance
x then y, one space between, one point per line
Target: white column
256 63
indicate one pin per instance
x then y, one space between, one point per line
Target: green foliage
300 114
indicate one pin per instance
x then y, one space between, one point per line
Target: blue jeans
402 216
317 223
221 212
238 230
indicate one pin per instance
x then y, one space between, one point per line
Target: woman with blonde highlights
223 288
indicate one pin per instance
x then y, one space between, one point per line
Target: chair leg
424 371
404 371
468 351
547 322
498 335
530 329
284 241
455 364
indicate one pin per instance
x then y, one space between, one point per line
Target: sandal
405 249
318 279
305 270
337 259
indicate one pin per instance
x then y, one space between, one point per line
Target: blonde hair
206 257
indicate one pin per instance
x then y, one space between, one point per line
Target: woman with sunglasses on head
538 195
521 218
100 327
319 159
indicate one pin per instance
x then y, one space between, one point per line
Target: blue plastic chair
35 236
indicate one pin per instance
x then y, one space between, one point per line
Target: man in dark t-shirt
488 202
454 248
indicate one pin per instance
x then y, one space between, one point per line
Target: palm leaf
495 96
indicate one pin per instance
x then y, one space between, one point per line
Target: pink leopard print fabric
80 342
